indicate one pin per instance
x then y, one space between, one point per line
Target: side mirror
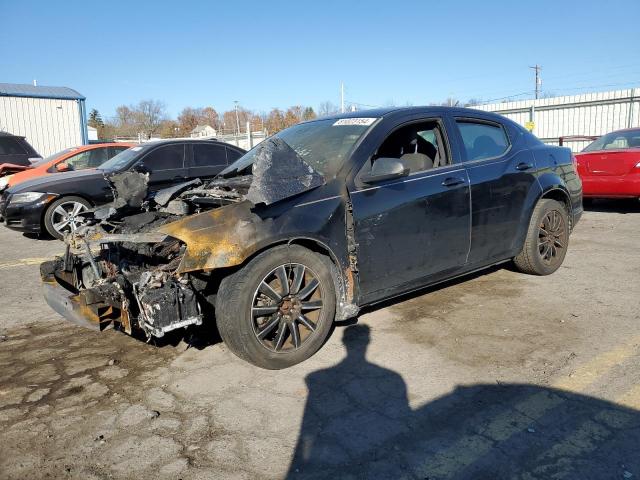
385 169
63 167
141 168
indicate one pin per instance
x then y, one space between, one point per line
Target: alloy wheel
286 307
65 218
551 237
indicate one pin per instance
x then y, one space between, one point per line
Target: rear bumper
627 186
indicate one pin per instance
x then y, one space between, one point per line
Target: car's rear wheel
547 239
278 310
62 215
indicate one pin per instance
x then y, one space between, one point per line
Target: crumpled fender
222 237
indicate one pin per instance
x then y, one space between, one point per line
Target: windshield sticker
354 121
136 149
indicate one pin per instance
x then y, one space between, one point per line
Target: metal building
589 114
51 118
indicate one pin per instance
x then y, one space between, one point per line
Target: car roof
166 141
7 134
426 110
636 129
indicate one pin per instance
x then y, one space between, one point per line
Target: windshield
121 160
53 156
322 144
616 141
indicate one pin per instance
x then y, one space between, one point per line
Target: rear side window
233 155
208 155
168 157
10 146
483 140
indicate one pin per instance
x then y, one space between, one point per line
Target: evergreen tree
95 120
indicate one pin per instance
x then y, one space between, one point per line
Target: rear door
207 160
166 164
503 178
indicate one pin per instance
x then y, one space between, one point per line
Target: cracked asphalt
498 375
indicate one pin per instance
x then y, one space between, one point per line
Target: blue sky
279 53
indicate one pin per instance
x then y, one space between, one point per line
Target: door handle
452 181
524 166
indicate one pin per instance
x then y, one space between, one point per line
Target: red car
610 166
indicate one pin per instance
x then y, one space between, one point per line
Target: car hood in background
42 184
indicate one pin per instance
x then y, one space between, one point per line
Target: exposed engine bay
143 262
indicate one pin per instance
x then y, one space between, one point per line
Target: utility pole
537 68
238 118
342 97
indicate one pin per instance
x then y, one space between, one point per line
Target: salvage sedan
318 221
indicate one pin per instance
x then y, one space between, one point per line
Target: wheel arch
346 279
561 195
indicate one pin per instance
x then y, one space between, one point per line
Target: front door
414 227
503 180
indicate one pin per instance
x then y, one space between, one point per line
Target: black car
320 220
53 203
15 153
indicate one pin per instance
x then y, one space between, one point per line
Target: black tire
50 214
547 239
240 299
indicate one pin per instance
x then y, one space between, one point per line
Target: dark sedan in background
52 204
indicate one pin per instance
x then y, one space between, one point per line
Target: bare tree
472 102
149 115
327 108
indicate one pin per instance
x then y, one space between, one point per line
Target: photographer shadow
358 424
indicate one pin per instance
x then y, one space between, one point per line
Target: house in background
92 133
203 131
50 118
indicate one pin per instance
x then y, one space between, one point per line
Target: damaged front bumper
88 291
84 308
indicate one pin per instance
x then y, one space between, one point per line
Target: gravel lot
498 375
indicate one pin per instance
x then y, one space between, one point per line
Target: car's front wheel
62 216
278 309
547 239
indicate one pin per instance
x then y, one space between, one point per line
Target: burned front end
123 284
147 262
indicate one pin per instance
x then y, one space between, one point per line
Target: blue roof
26 90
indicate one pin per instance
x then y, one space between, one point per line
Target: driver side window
419 147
